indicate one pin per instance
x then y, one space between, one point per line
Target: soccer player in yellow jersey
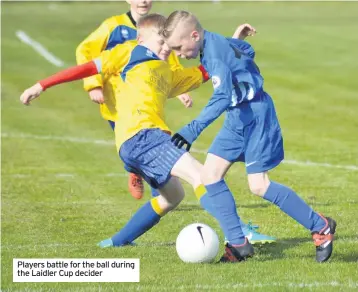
142 139
142 136
113 31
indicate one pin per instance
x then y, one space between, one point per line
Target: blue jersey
235 76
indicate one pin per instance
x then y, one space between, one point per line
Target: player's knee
210 175
167 204
258 188
171 205
258 183
174 202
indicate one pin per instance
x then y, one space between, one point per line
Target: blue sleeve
219 102
243 46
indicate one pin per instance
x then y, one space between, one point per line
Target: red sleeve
70 74
206 76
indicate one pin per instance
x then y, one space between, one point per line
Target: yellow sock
155 205
200 191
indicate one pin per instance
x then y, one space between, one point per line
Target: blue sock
290 203
224 210
206 204
243 224
144 219
155 192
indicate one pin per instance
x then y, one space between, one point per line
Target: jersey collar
204 44
152 55
129 14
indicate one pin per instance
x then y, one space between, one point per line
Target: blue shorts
112 124
152 155
252 134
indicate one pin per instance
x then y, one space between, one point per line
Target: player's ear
195 36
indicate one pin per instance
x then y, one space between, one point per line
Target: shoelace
250 227
319 239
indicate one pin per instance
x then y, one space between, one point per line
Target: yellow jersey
113 31
146 83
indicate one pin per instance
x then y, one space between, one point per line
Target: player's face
141 7
187 47
158 46
165 51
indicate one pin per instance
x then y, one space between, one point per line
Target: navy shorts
152 155
112 124
252 134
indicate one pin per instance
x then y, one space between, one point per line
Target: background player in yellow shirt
142 138
113 31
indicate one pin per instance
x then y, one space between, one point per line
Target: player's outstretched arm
219 102
67 75
243 31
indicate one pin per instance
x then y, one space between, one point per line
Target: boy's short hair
175 18
154 21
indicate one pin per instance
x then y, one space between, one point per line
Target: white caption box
76 270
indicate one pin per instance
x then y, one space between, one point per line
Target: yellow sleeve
112 62
174 62
185 80
91 48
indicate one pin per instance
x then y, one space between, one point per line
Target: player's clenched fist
96 95
186 100
31 93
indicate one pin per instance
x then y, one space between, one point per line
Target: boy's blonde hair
153 21
179 17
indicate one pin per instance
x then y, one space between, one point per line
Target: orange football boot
135 185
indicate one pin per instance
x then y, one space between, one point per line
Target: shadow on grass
346 258
254 206
276 250
273 251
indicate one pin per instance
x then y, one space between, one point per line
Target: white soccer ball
197 243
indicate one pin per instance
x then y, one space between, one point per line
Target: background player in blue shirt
251 133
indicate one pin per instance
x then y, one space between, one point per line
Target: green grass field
64 188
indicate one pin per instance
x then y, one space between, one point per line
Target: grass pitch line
287 286
235 286
39 48
199 151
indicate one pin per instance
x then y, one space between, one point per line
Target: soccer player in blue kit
251 134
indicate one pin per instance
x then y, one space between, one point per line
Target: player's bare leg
188 169
135 186
171 194
258 183
322 228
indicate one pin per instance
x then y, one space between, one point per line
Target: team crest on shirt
216 81
124 33
149 53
